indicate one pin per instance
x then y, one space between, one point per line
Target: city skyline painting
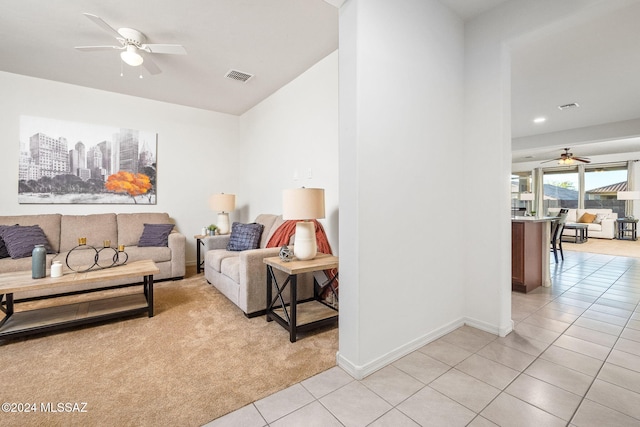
67 162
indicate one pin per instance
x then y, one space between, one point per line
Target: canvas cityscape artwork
68 162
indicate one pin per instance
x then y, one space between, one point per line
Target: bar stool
556 233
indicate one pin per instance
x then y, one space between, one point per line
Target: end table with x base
299 316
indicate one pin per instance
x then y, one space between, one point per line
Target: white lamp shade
527 196
222 202
628 195
303 203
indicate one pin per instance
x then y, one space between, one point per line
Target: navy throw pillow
244 236
155 235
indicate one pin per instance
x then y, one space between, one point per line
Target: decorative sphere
286 254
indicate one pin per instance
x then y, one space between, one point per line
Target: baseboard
361 371
488 327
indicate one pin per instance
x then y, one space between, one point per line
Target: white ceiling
276 40
594 62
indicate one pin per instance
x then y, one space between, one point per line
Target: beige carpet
197 359
627 248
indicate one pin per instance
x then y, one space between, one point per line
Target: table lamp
304 204
631 196
223 204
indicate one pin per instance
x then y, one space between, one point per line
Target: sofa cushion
21 239
244 236
230 267
155 235
131 225
594 227
213 258
268 220
95 227
84 258
157 254
587 218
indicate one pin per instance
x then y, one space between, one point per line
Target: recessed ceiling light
539 120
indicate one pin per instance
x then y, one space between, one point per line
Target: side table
299 316
626 229
199 260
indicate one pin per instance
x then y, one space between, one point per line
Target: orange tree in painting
134 184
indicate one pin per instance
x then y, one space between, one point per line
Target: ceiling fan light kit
131 57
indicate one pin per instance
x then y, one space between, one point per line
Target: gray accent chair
242 276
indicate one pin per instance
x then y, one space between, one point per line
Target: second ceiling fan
568 158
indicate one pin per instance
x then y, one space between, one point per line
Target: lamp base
223 223
305 246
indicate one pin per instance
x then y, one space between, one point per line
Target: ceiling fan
568 158
132 44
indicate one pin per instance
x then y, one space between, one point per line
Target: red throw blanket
283 234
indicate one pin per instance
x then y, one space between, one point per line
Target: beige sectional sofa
241 276
603 226
63 231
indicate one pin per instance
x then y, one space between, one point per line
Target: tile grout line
607 356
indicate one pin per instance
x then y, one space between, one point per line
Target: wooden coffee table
19 323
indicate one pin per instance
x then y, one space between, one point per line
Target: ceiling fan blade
582 159
151 66
95 48
102 24
173 49
552 160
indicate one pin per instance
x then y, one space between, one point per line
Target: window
599 190
520 183
561 188
602 184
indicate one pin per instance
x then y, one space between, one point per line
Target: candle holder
103 257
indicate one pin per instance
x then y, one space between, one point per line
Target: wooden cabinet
527 249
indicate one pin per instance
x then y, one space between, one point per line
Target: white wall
401 100
487 145
196 149
199 152
291 140
425 138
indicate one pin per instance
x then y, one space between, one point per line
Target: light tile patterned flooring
573 360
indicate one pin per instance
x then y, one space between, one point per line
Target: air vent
238 75
567 106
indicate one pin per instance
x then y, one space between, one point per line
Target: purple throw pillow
155 235
21 239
